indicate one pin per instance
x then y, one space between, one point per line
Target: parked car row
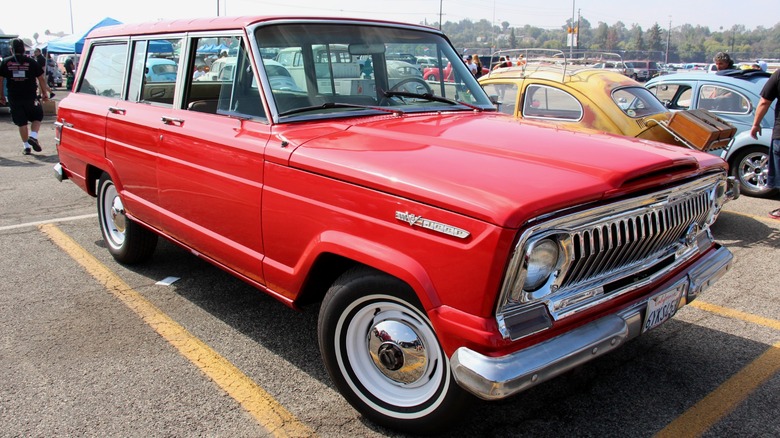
734 98
609 101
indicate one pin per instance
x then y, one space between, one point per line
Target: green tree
654 41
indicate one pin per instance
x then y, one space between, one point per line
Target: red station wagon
446 266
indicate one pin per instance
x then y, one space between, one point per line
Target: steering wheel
402 82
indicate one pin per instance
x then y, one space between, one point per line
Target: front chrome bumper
493 378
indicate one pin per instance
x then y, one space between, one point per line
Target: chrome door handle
116 110
172 121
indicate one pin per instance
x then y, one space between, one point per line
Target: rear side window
105 71
722 99
542 102
154 71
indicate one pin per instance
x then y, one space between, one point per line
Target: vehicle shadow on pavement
742 231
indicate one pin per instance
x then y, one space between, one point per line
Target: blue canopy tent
75 43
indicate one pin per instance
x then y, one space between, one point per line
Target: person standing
477 66
39 58
769 94
723 61
21 72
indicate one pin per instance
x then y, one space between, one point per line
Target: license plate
661 307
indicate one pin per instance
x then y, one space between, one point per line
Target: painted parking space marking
735 314
720 402
48 221
262 406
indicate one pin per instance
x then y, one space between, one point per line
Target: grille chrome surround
610 250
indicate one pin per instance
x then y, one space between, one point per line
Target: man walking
769 94
21 72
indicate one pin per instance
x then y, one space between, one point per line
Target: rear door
134 128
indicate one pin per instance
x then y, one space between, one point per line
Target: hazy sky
55 15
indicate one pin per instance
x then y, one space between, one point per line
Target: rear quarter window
105 71
541 102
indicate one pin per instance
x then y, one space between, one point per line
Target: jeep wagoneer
446 265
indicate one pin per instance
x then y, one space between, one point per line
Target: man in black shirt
39 58
769 94
21 72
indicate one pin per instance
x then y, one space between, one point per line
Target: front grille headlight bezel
659 224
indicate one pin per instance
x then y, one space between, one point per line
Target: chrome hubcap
118 215
397 351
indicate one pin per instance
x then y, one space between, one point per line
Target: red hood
488 166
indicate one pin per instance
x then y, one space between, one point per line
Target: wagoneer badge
439 227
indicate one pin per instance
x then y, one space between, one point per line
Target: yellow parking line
261 405
719 403
736 314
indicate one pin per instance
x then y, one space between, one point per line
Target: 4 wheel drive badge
413 219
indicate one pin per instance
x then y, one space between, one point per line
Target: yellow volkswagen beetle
575 94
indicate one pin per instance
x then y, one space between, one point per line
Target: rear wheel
127 241
382 353
750 166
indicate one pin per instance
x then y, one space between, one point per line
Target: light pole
571 34
70 7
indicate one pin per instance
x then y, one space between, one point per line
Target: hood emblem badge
413 219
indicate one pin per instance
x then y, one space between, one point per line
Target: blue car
161 70
733 97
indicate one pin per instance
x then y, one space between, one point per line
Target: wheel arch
338 252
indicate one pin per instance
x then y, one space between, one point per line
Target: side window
505 96
221 79
722 99
154 71
542 102
105 71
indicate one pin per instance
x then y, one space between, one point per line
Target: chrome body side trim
499 377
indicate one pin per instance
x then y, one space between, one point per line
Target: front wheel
750 166
127 241
383 355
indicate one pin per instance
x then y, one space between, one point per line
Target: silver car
733 97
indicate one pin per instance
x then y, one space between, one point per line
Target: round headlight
541 262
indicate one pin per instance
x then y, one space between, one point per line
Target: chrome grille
604 248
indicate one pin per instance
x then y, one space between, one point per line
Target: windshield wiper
331 105
431 97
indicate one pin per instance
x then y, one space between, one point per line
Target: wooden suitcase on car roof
702 129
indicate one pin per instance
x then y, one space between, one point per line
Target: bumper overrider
493 378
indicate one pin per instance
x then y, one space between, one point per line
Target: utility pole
440 7
668 36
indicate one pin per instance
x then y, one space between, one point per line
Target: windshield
341 70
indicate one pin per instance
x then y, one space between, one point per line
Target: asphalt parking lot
89 347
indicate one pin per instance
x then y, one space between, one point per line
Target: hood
489 166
